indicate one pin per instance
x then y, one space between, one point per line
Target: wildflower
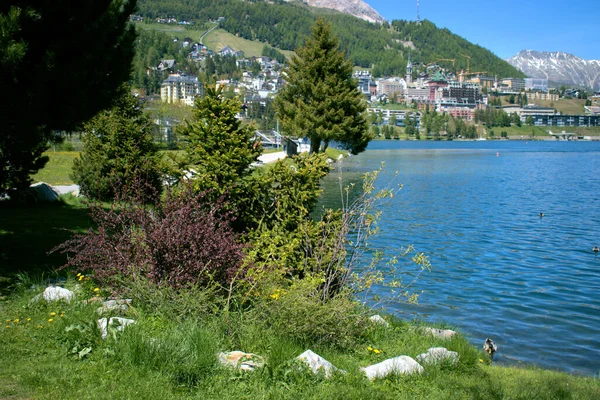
275 296
370 348
96 290
40 326
81 277
50 320
8 320
16 321
376 351
52 314
28 319
79 274
480 360
62 314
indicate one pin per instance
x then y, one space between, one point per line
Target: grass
160 358
28 233
58 169
218 39
170 351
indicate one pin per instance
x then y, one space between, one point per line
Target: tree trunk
315 144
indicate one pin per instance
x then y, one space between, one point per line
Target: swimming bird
490 347
541 215
596 249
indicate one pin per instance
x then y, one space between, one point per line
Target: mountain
384 47
357 8
558 67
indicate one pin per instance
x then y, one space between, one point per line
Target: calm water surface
499 270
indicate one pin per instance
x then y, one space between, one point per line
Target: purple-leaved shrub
182 240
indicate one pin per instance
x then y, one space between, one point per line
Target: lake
499 270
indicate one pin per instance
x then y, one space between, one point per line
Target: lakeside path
270 157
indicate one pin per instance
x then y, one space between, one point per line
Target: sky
508 26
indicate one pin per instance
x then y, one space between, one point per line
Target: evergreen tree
60 63
321 100
218 146
118 151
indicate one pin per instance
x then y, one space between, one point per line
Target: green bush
118 151
299 313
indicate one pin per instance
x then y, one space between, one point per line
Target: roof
181 79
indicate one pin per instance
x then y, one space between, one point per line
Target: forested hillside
286 25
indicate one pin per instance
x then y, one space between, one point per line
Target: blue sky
508 26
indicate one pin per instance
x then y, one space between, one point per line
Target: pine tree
321 100
60 63
219 147
118 151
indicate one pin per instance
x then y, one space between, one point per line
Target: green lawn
58 169
218 39
28 233
163 358
170 352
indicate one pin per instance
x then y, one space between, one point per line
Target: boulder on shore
41 191
315 362
440 333
437 355
404 365
241 360
116 323
56 293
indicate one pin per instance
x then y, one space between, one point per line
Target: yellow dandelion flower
40 326
8 320
28 319
52 314
16 321
50 320
7 326
81 277
62 314
480 360
275 296
376 351
96 290
370 348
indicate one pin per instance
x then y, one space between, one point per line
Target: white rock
44 192
440 333
55 293
114 305
241 360
118 323
378 319
398 365
315 362
436 355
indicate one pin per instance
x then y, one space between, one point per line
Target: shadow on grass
29 232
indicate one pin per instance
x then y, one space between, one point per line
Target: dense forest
286 25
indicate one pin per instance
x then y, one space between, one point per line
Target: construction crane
468 62
462 74
444 59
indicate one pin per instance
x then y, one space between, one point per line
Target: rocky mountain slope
558 67
358 8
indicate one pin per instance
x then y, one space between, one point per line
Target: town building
180 89
513 84
536 84
542 96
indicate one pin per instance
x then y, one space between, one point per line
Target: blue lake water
498 270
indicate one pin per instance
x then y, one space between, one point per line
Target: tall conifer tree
321 100
60 63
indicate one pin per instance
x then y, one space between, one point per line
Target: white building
180 89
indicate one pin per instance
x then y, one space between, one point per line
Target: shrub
118 150
299 313
181 241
